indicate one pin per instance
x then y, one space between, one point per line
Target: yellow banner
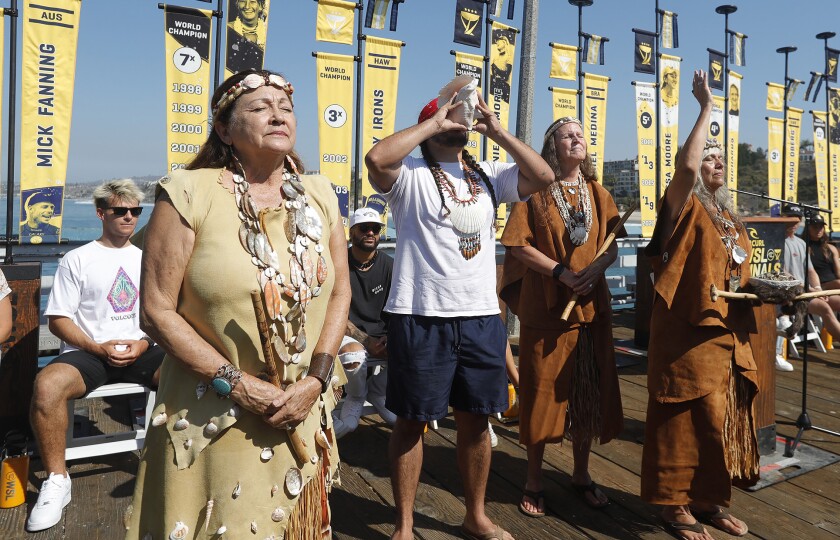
382 74
646 139
50 33
669 110
335 21
187 83
820 161
716 119
595 118
563 62
775 97
335 123
792 137
734 129
834 151
775 141
564 102
502 55
247 27
472 65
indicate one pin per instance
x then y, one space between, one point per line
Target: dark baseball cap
816 219
792 210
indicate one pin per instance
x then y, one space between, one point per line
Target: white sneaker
54 496
782 364
494 440
783 323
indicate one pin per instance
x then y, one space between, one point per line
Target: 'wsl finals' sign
187 82
50 33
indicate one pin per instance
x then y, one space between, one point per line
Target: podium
767 236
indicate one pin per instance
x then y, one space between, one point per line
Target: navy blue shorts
96 372
437 362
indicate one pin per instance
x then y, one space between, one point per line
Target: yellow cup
13 474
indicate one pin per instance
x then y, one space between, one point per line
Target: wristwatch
225 380
558 271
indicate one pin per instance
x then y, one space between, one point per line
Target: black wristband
558 271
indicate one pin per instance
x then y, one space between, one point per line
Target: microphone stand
804 421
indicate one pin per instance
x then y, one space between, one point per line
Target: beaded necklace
578 220
466 215
302 227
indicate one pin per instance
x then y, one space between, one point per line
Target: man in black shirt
370 282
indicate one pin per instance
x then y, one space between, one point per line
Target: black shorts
437 362
96 372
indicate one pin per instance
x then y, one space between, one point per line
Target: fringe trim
740 447
584 415
310 520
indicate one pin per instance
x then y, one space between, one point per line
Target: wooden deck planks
807 507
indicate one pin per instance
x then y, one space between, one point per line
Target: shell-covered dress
225 469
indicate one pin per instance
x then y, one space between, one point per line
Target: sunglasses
369 227
120 211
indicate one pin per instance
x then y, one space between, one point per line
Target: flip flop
583 490
496 534
674 527
713 516
535 496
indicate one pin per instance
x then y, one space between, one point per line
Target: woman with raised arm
244 261
700 434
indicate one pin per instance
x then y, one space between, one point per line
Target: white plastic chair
108 443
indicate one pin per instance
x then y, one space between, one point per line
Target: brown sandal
537 497
674 527
712 517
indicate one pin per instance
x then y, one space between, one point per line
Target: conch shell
466 87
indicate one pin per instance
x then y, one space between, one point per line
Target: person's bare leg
825 311
54 386
473 449
580 475
534 480
405 453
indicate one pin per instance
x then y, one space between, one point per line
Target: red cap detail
428 111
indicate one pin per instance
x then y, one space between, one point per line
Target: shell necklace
729 236
466 215
578 220
302 227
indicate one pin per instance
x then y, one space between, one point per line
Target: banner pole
12 12
657 105
725 10
786 51
488 34
580 4
357 172
217 63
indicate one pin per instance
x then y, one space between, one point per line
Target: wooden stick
297 442
715 294
607 242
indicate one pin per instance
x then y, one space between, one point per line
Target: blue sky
119 110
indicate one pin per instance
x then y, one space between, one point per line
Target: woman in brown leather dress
700 435
565 366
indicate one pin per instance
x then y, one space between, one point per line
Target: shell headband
557 124
712 146
252 82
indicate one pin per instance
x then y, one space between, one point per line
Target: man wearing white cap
370 283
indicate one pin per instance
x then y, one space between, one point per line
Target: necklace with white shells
302 227
466 215
578 220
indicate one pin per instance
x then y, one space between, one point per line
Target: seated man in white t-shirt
94 309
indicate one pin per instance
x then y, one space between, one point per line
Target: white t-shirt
431 277
97 287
